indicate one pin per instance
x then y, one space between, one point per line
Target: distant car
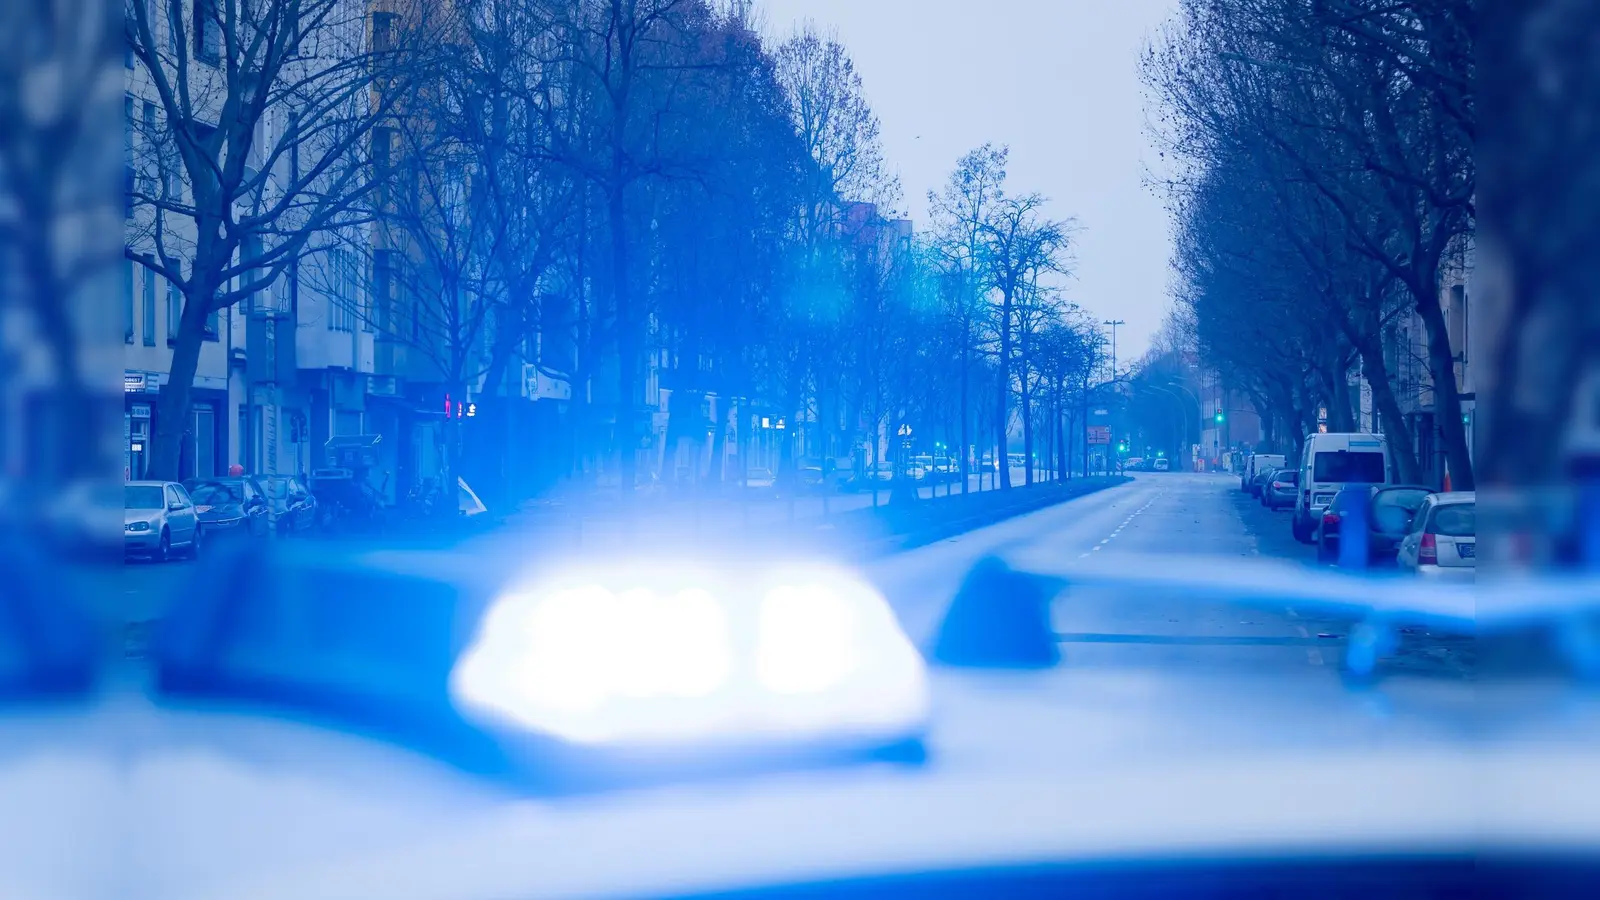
879 476
811 479
159 517
293 510
232 506
1282 488
1254 465
1162 465
760 480
1442 542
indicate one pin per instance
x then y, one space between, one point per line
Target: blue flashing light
679 659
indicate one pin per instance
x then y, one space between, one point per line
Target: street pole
1113 323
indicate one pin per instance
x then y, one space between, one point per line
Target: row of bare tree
621 182
1322 181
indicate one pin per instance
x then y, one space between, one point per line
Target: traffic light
1219 415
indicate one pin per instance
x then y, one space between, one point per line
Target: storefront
203 452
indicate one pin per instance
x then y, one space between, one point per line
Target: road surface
1156 514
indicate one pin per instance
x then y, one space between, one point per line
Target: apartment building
1407 360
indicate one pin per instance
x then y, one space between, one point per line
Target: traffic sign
1099 434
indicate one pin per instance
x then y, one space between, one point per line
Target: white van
1255 464
1327 464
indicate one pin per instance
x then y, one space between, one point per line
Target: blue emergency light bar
597 673
48 645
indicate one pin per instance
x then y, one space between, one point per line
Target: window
174 24
148 299
174 312
147 180
207 31
1344 466
141 497
172 496
1455 520
382 286
1392 511
382 164
343 291
127 157
382 32
127 300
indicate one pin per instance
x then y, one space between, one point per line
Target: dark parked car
293 508
1280 489
1258 482
1390 510
231 506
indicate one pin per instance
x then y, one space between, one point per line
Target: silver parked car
1443 541
159 518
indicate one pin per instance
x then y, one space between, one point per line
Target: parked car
1388 512
1328 464
1389 517
1282 488
1258 483
1442 542
158 518
760 481
231 506
880 476
1254 465
291 507
811 478
1162 465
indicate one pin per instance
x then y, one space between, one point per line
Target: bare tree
1365 104
258 151
1020 246
958 213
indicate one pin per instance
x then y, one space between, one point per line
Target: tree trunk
1446 399
172 404
1083 424
1003 396
493 451
1401 446
626 438
1063 429
1027 431
966 372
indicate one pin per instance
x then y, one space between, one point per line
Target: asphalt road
1157 514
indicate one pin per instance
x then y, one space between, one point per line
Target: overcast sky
1056 80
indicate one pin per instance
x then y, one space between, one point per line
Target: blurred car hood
1066 765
